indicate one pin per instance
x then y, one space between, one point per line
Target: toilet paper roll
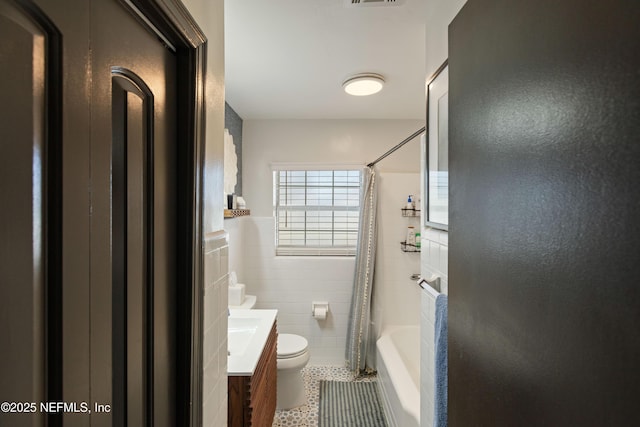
320 313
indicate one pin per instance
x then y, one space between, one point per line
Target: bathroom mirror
230 164
437 151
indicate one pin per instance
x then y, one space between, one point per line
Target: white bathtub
398 359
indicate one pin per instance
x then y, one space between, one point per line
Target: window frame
295 250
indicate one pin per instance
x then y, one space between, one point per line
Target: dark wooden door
133 258
544 302
44 206
88 219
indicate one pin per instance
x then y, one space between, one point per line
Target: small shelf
410 212
408 247
234 213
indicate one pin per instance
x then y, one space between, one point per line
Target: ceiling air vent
374 2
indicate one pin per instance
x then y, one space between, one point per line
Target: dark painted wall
544 267
233 122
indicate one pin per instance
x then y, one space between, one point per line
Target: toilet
293 355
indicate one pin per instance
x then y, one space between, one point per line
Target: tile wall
290 284
216 261
435 253
397 298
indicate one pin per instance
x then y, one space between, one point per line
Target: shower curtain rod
409 138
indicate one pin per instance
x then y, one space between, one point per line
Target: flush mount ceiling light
363 84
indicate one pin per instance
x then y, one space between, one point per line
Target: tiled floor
307 415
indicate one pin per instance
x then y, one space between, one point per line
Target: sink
247 334
240 333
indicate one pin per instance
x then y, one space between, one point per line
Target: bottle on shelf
411 235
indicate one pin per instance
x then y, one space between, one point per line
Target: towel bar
433 282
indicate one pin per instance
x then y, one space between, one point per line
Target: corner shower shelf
408 247
234 213
410 212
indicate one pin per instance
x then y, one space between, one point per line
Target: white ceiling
287 59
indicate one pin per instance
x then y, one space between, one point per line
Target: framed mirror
437 151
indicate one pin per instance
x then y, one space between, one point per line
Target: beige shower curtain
359 341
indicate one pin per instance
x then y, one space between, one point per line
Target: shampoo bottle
409 202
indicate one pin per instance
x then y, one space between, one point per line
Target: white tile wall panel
215 329
433 261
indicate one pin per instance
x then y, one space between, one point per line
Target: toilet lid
290 345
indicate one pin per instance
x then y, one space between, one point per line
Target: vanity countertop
247 335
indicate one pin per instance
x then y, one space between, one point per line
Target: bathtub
398 359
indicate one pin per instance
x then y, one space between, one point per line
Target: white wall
214 382
209 15
397 297
290 284
323 141
435 243
440 13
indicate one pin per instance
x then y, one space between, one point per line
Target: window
317 211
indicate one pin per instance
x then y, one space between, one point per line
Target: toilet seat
290 346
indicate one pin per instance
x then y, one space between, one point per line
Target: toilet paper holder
320 309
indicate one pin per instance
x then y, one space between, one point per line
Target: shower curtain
360 343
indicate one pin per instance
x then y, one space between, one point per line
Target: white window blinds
316 211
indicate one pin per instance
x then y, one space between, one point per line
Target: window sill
315 252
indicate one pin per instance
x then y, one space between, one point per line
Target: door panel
30 212
88 251
133 176
544 236
23 217
132 241
138 285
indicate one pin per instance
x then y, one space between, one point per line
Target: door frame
176 25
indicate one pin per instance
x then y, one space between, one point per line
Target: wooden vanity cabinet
252 399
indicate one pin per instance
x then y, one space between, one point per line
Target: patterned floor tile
307 415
